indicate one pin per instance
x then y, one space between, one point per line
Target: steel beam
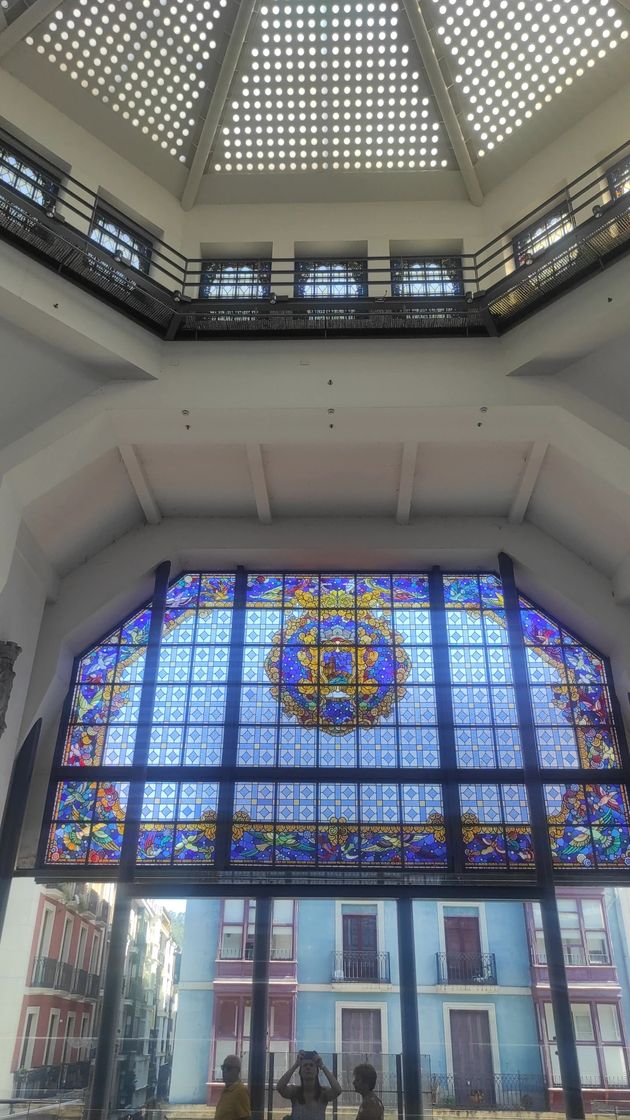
217 102
421 35
19 28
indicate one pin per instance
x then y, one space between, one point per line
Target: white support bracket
259 482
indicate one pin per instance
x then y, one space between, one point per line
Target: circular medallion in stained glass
340 672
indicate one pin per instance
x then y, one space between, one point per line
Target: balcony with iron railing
360 966
466 968
63 977
494 290
68 1078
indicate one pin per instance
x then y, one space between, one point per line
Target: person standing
310 1097
234 1103
364 1081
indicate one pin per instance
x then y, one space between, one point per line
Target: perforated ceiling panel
151 61
330 86
512 57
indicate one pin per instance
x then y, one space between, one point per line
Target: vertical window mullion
565 1033
446 723
225 806
139 766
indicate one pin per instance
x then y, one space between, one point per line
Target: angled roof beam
420 33
259 482
25 23
528 481
140 484
217 102
405 483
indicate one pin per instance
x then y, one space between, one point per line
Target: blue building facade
483 995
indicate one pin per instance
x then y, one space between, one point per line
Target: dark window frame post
104 1062
558 987
409 1019
260 1007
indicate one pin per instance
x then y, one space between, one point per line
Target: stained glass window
427 276
291 720
338 823
588 825
235 279
484 703
538 237
570 697
126 244
330 279
495 826
619 178
27 178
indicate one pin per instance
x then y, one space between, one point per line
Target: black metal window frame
331 278
127 243
427 277
228 876
27 178
235 279
619 178
541 234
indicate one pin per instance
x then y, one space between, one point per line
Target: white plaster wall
21 608
15 948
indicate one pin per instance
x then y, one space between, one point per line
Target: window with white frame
600 1044
583 928
237 931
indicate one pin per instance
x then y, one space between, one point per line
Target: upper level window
237 934
584 936
235 279
619 178
543 233
25 177
125 243
427 276
332 279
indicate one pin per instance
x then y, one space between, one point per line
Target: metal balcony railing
466 968
361 966
490 291
63 977
509 1092
575 955
236 953
51 1081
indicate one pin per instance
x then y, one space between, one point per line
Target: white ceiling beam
217 102
138 480
405 485
420 33
19 28
529 478
259 482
